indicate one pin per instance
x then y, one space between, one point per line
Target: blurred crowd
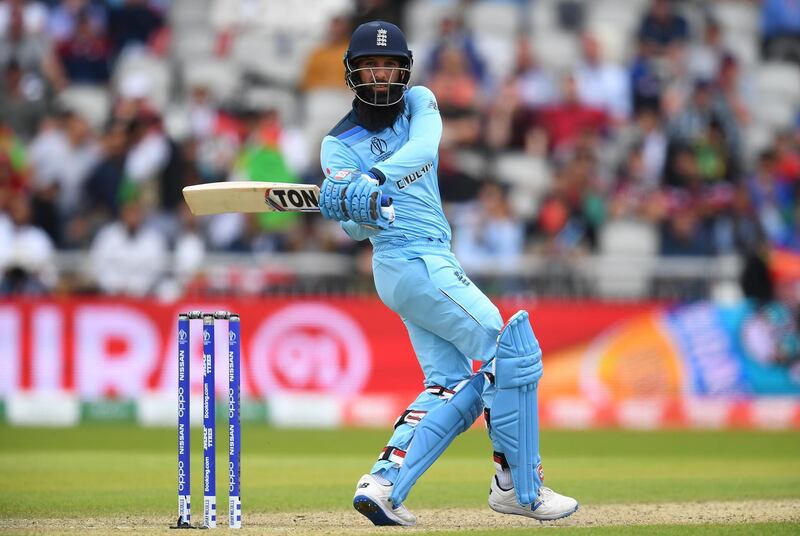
562 120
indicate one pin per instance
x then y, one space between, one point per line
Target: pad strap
442 392
392 454
410 417
500 462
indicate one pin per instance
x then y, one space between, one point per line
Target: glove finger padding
358 195
332 196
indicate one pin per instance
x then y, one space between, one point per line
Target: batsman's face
379 71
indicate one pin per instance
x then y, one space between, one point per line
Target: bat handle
387 210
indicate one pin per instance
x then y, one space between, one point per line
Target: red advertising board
344 346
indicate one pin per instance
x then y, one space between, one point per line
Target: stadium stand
614 129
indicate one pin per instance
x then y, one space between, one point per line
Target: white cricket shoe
372 500
548 506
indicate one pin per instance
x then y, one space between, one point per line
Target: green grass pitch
97 471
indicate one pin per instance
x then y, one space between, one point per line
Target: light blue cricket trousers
450 321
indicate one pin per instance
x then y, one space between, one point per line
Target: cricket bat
254 196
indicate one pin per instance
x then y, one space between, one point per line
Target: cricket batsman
387 146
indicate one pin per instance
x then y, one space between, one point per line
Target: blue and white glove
366 205
332 203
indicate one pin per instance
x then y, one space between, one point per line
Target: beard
377 118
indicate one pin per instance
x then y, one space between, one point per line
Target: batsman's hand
366 204
332 200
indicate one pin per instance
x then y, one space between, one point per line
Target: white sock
504 479
382 481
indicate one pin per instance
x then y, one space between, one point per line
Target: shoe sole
371 510
551 518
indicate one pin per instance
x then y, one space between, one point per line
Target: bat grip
387 210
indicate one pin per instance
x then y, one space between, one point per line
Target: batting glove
332 196
366 205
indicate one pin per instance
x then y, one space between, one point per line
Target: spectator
773 199
458 96
62 156
488 235
697 208
22 103
735 92
190 249
602 84
22 43
128 257
86 55
704 57
63 20
147 159
681 169
26 252
677 83
13 166
554 128
456 185
202 113
647 77
453 35
572 212
536 86
135 97
388 10
564 123
634 194
695 120
264 155
43 185
780 30
32 16
738 230
323 68
787 149
663 27
104 185
683 232
280 18
508 120
214 137
647 134
715 161
133 23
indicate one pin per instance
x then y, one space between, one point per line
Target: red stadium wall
347 345
605 364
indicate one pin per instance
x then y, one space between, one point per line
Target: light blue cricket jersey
406 156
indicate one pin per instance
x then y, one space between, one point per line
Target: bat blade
251 196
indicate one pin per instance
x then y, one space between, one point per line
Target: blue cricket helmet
377 38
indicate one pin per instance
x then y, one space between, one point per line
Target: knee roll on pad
516 372
435 432
518 360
